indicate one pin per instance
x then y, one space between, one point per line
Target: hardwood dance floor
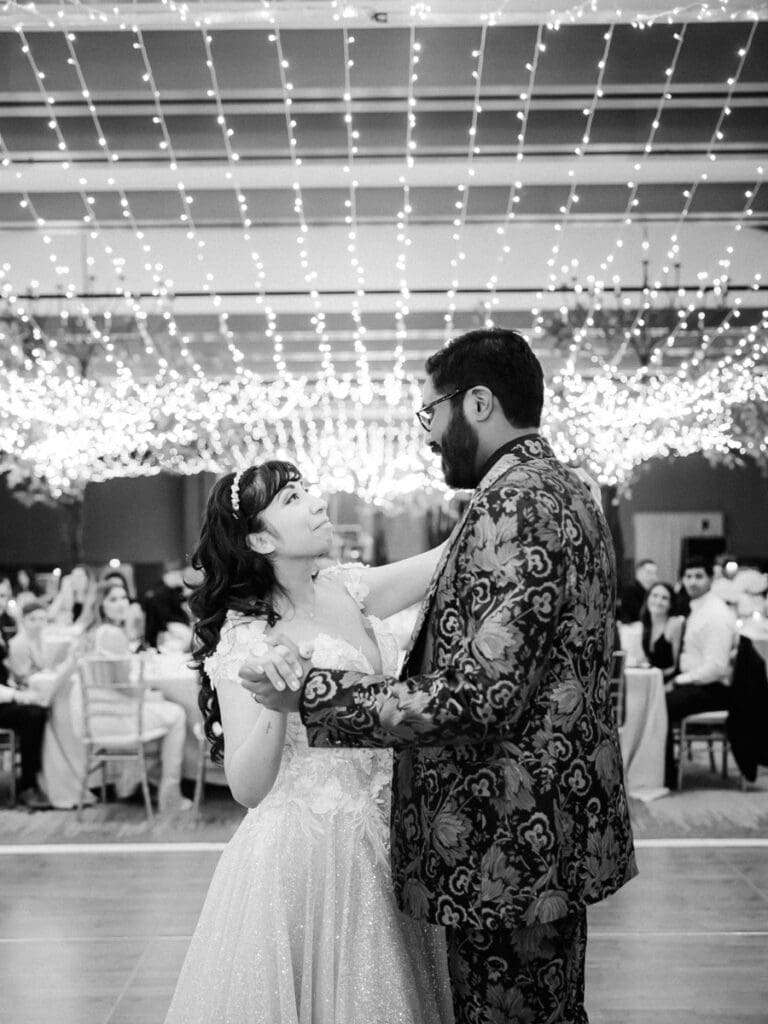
96 934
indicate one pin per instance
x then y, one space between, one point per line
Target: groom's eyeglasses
426 414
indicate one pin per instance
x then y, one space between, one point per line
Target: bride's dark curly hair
235 577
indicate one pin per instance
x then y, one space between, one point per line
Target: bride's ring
259 648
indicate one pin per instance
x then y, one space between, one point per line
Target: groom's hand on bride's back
274 671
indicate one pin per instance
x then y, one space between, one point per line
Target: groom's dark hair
500 359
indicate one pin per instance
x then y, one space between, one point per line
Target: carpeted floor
708 807
125 821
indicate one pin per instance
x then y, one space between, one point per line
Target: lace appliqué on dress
232 649
351 575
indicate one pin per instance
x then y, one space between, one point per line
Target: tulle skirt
300 926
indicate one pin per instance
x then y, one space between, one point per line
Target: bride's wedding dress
300 925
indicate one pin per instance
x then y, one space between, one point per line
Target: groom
509 815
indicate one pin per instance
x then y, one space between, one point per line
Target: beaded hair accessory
234 494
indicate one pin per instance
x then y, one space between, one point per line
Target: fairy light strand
404 241
673 255
462 202
186 217
353 232
90 218
597 285
231 174
513 197
163 286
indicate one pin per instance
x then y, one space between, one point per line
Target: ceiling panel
412 229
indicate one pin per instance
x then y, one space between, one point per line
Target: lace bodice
323 781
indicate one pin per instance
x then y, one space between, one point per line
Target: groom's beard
458 450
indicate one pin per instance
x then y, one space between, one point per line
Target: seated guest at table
26 588
8 625
134 621
27 659
20 711
662 631
703 681
166 602
106 631
25 651
107 636
632 597
73 605
47 677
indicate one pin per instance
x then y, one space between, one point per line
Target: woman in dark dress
662 631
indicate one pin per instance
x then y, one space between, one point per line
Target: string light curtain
349 420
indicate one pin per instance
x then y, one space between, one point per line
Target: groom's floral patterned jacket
508 802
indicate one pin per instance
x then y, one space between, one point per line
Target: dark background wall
134 520
149 520
146 520
692 484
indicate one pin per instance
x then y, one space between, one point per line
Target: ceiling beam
306 14
178 103
384 173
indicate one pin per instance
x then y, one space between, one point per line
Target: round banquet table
643 735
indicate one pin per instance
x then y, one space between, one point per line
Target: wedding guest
8 625
107 636
106 631
633 595
166 602
50 685
115 576
25 651
662 632
20 711
703 681
134 622
26 588
27 657
73 605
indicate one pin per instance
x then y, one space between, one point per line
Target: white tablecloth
643 735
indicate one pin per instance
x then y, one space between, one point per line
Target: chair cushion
707 718
123 741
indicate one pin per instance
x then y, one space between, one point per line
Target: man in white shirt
703 681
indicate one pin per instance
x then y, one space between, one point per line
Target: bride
300 925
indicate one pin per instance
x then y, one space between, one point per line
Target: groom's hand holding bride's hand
274 672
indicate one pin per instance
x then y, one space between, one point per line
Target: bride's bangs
268 480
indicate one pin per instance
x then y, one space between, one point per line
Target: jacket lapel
415 644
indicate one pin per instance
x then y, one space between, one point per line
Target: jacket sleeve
511 569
